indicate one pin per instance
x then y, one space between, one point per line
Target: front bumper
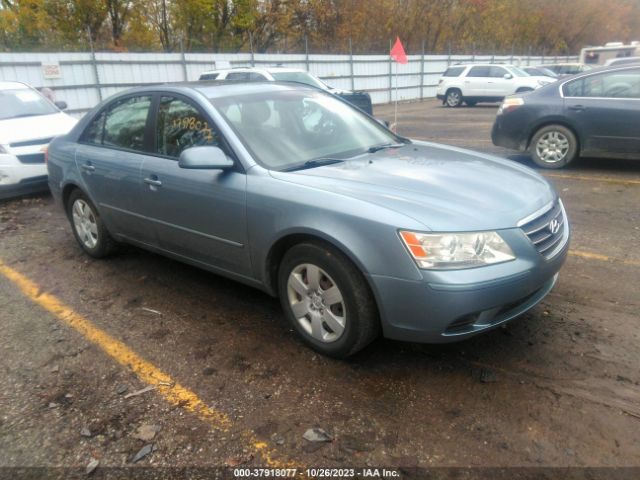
447 306
17 178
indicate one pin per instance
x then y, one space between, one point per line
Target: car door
497 85
197 214
605 110
476 81
109 157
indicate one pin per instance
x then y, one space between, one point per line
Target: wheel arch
289 239
553 121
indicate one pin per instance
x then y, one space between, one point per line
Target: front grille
30 143
31 158
542 233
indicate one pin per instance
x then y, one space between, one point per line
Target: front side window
181 126
125 123
622 84
478 72
287 128
498 72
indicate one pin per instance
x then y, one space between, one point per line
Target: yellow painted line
170 390
619 181
602 258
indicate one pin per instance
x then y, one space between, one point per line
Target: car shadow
584 165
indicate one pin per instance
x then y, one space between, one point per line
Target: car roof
12 85
217 89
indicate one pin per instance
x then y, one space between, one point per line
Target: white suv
361 100
485 83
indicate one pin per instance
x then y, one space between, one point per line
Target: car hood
444 188
33 128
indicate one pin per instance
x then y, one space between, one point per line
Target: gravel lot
559 387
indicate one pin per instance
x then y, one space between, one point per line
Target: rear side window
121 125
478 72
453 72
240 76
180 126
94 132
209 76
256 77
125 123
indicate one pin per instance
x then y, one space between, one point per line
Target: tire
87 226
553 146
471 103
308 310
453 98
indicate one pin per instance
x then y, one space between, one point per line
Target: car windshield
292 128
299 77
517 72
24 102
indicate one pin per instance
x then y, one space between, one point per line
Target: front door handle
87 167
577 108
153 181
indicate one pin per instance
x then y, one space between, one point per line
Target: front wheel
327 300
554 146
87 226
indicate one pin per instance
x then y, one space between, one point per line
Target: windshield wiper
316 162
384 146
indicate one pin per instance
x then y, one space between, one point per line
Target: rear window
453 72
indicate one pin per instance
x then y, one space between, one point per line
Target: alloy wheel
552 147
84 221
316 302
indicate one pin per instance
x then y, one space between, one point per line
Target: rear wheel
453 98
326 300
88 227
553 146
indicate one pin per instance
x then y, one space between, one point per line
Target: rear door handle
87 167
153 181
577 108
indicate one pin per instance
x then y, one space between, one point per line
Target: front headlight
442 251
542 83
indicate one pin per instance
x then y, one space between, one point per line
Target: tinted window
241 76
209 76
624 84
453 72
498 72
125 123
478 72
180 126
256 77
95 130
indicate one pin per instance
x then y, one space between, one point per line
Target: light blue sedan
295 192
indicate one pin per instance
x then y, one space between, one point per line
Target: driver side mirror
382 122
61 105
507 76
205 158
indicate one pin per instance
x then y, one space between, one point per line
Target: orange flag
397 52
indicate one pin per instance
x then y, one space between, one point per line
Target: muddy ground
559 387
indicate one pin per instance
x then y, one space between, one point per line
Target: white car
485 83
28 122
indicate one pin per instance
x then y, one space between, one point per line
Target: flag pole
395 114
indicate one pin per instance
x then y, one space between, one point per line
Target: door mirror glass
61 105
507 76
204 158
